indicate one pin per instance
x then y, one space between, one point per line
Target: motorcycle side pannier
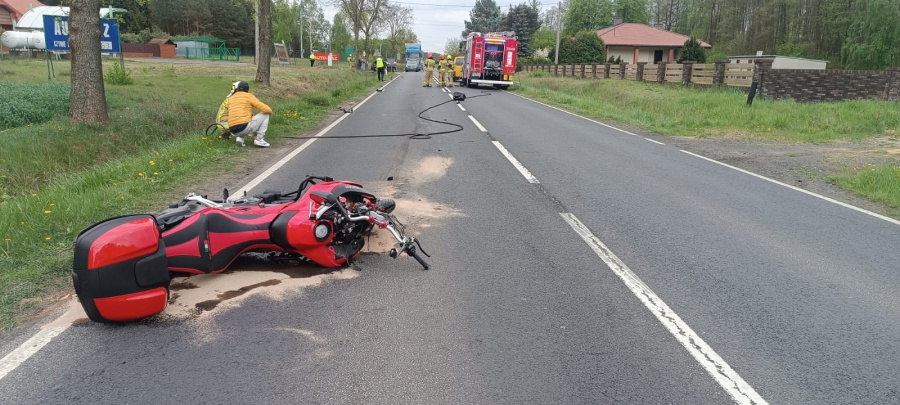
120 271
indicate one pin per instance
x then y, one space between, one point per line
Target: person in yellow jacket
242 122
312 59
379 64
429 70
442 66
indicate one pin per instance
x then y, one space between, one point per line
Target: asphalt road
699 284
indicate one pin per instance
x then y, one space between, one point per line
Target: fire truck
489 59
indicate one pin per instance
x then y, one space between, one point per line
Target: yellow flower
770 129
23 222
47 212
155 173
204 138
7 239
46 238
170 160
33 195
141 174
52 204
153 163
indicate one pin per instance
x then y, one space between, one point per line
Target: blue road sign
56 34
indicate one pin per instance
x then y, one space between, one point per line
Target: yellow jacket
429 64
241 105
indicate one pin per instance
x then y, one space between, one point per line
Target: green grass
674 110
57 178
24 104
877 183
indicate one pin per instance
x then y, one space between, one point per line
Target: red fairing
130 307
127 241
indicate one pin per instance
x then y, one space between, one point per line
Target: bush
692 51
24 104
616 60
539 73
584 47
118 76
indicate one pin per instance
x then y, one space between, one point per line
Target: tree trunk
265 42
87 102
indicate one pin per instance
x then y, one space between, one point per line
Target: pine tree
692 51
485 17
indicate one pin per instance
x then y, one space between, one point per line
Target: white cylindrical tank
20 39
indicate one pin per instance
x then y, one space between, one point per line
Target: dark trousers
312 62
381 74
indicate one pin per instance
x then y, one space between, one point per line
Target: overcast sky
437 20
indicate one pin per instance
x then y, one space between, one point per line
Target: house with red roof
634 42
13 10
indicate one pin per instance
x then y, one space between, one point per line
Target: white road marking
571 113
461 106
733 384
27 349
651 140
477 124
831 200
512 159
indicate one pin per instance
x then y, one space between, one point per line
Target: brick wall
830 85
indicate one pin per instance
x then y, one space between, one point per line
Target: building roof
635 34
162 41
19 7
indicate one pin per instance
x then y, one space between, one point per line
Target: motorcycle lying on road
121 265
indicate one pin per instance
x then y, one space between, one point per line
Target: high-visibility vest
312 56
379 63
429 64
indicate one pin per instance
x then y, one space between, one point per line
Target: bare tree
364 16
87 101
397 20
265 42
354 11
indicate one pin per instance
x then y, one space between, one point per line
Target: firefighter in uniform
429 70
449 70
442 67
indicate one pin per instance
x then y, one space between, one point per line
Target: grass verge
57 178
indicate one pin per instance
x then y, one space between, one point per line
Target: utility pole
301 34
558 26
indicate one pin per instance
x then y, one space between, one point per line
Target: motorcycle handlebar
411 250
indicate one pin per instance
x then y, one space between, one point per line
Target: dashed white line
461 106
477 124
516 163
734 385
651 140
831 200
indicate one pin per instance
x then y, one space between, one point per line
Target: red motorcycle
121 265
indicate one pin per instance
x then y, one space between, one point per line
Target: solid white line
651 140
31 346
517 164
272 169
733 384
845 205
571 113
477 124
461 106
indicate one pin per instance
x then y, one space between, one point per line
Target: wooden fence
720 73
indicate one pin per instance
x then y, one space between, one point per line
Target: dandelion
155 173
152 163
8 240
33 195
52 204
23 222
141 174
170 160
47 212
203 138
47 238
770 129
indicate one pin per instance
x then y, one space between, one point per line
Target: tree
543 38
874 36
692 51
363 16
340 36
451 47
87 101
397 20
587 15
524 19
265 43
372 21
485 17
633 11
584 47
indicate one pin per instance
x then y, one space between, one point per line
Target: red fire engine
490 59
